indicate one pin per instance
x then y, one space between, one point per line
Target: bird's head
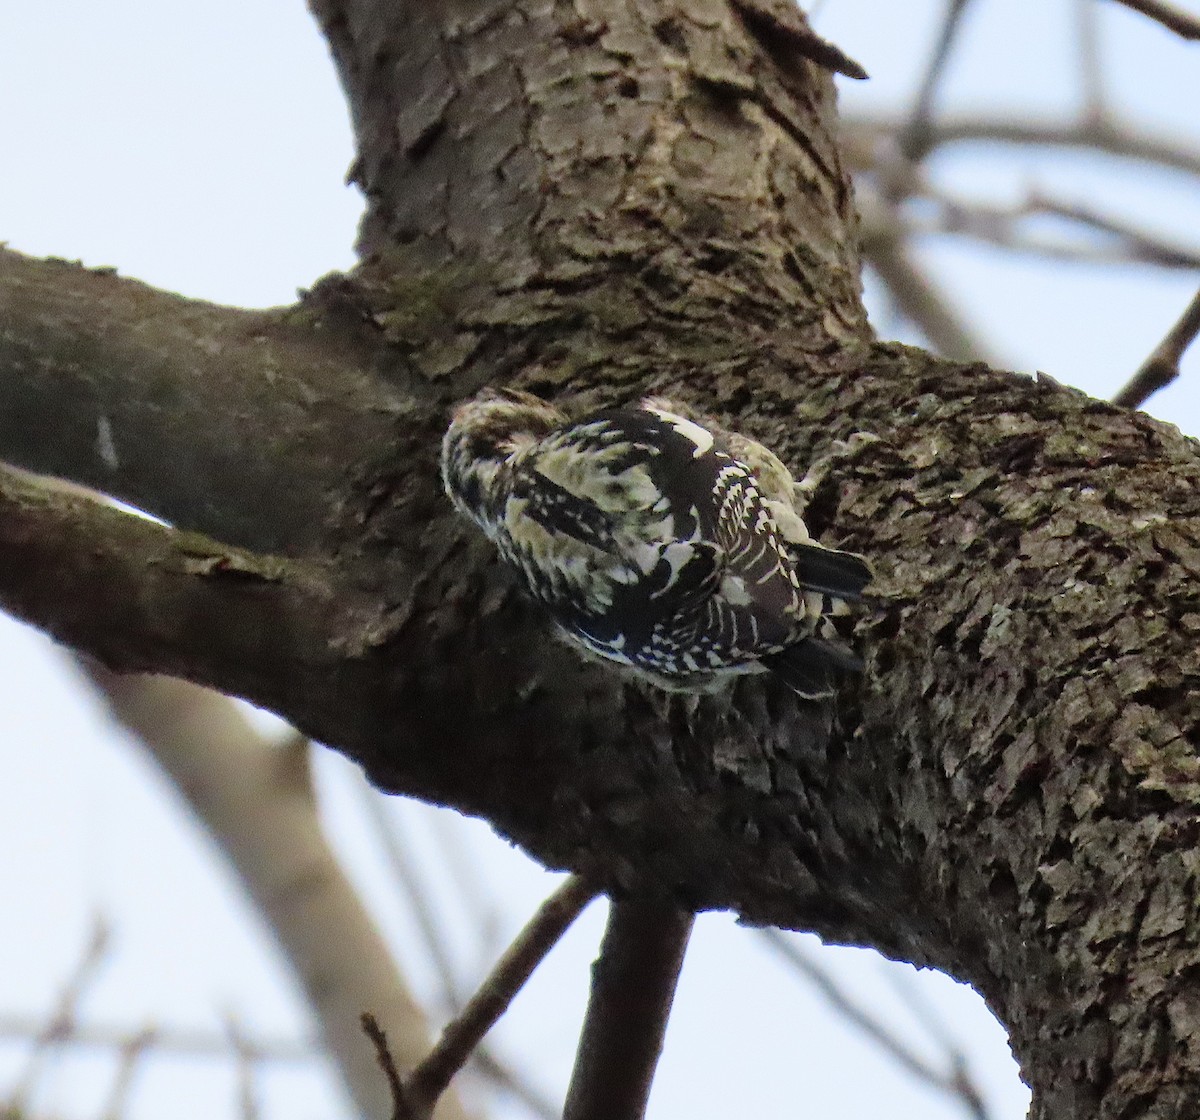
484 433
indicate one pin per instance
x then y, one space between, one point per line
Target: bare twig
1005 226
801 962
461 1036
396 847
917 295
256 801
633 985
383 1055
959 1077
955 1083
1090 72
867 134
1185 25
1162 367
247 1072
465 871
913 139
193 1044
59 1025
531 1098
132 1054
1140 244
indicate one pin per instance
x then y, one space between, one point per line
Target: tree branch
1184 25
912 139
59 1025
1162 367
954 1083
186 409
633 986
435 934
141 595
1117 240
864 133
256 801
916 295
597 210
429 1080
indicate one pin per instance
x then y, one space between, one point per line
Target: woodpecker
655 540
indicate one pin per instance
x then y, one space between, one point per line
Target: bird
656 540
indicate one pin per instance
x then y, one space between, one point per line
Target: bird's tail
812 666
841 575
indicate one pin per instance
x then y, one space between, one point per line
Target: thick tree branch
243 425
647 199
140 595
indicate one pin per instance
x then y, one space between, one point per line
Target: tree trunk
594 201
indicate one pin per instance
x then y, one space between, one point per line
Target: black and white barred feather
655 541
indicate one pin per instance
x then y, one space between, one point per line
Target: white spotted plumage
654 540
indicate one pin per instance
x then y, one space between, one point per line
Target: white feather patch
701 437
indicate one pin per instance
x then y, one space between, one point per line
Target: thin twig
1184 25
397 848
633 986
204 1045
913 138
1090 72
61 1021
956 1084
1162 367
130 1062
464 1033
247 1072
383 1055
500 1074
865 135
934 1023
465 871
1002 226
1141 244
389 829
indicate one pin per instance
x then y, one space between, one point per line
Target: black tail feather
811 667
840 574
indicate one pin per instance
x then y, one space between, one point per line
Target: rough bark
594 200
